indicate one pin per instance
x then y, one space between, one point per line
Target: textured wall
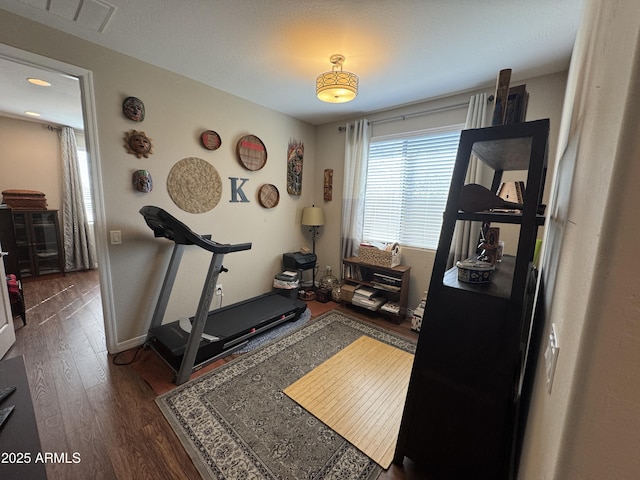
588 428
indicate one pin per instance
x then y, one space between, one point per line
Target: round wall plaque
210 140
268 195
252 153
194 185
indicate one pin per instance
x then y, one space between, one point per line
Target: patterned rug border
231 370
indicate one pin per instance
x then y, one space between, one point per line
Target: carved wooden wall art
328 184
295 156
138 144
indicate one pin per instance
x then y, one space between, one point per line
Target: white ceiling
270 51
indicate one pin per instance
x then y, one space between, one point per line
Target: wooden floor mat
360 394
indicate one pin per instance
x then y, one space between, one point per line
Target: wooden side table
356 273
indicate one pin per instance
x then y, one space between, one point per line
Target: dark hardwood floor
86 404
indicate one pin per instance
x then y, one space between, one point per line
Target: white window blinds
407 187
85 180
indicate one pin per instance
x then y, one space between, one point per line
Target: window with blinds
85 181
407 186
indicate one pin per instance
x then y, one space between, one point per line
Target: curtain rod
59 128
419 114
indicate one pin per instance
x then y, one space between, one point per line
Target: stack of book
391 307
367 298
386 282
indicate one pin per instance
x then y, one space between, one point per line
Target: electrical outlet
219 289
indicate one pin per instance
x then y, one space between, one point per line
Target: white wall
546 97
588 428
177 111
30 159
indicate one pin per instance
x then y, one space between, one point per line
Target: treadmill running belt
229 323
246 315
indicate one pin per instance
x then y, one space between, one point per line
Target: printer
299 260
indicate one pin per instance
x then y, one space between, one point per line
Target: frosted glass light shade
337 86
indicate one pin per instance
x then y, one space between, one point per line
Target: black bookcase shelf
497 217
32 238
461 416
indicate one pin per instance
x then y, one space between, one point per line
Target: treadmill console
166 225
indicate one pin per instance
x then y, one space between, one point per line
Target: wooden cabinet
37 248
391 283
461 418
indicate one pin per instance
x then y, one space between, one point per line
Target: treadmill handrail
166 225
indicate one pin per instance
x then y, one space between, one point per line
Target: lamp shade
337 86
312 216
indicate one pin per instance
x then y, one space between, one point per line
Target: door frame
7 331
85 78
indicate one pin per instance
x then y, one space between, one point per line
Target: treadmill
189 344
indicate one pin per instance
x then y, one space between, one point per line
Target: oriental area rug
236 422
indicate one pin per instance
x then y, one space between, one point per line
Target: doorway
87 106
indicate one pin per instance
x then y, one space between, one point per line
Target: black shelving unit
461 417
38 248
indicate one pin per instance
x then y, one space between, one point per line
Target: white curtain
356 154
466 234
79 246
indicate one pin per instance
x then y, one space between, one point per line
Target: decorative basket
381 258
24 199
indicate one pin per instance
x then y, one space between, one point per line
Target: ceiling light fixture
32 114
337 86
39 82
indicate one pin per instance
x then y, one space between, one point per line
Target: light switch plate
116 237
551 356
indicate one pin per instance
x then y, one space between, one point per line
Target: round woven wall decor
194 185
252 153
268 195
210 140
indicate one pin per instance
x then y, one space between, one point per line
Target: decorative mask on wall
295 157
133 109
138 144
142 181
